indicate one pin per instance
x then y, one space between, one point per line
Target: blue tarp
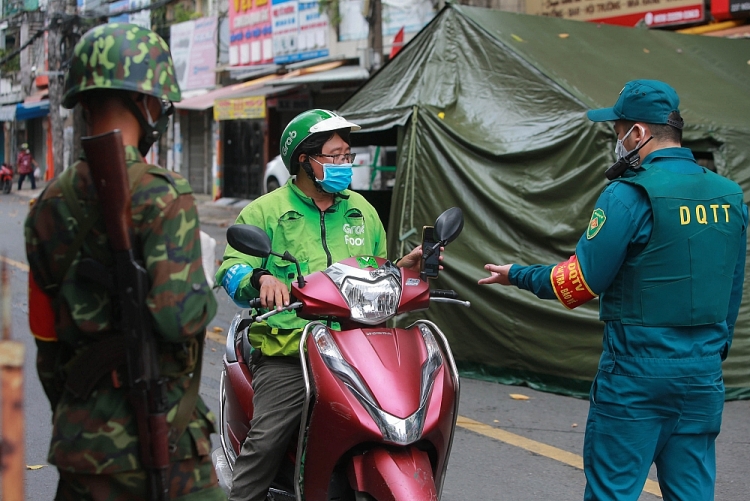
27 111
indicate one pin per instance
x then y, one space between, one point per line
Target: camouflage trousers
189 480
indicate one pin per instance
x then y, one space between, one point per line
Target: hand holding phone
430 261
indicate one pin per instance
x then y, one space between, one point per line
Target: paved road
504 449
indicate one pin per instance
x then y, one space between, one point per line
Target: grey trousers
279 396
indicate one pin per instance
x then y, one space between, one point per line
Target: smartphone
431 263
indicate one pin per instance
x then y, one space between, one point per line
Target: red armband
41 313
569 285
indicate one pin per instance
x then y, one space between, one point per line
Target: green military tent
487 109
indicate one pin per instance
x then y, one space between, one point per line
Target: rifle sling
188 401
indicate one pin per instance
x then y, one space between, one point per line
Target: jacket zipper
329 259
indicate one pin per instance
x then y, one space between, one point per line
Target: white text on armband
715 214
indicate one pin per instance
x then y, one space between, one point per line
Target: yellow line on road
16 264
545 450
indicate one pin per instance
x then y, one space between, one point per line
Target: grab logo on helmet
288 142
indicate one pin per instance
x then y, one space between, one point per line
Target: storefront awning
8 113
340 74
27 111
206 101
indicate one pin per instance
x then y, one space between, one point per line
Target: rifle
105 155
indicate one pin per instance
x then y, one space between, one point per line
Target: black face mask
152 133
627 162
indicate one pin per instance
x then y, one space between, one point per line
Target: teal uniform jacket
658 395
350 227
623 234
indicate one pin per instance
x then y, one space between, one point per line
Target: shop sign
729 9
300 31
651 13
411 15
241 108
193 47
250 38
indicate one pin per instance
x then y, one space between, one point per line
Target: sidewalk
221 213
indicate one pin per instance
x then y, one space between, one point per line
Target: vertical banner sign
651 13
193 47
250 41
300 31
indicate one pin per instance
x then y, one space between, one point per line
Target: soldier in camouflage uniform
123 76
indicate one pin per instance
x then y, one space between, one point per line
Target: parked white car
277 175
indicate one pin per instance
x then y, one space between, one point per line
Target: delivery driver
665 249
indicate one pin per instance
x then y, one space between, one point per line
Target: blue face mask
336 177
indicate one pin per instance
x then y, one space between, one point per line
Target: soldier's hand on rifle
273 293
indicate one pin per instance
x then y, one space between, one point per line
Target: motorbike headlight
371 302
335 361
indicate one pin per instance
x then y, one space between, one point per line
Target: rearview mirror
449 224
249 240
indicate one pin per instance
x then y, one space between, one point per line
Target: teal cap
649 101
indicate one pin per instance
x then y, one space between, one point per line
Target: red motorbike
381 402
6 178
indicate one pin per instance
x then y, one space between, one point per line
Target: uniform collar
672 153
301 195
132 155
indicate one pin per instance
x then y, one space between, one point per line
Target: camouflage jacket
98 435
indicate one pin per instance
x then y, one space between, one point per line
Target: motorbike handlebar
254 303
444 293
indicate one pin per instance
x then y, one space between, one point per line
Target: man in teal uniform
319 221
665 248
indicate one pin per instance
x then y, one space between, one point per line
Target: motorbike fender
403 474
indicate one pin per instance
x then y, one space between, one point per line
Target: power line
71 17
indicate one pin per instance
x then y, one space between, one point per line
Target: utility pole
375 38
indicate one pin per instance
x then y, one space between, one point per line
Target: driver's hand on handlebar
273 293
498 274
413 260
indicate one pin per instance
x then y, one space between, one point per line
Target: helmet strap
152 130
310 174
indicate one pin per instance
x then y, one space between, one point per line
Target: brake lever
294 306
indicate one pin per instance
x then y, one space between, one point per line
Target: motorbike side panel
238 409
394 475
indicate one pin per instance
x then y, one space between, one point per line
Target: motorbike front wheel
6 186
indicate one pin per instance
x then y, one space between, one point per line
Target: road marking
545 450
17 264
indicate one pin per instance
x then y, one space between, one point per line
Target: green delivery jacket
99 435
350 227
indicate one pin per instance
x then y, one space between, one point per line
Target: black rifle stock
105 155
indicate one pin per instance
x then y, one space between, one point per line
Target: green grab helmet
121 56
305 125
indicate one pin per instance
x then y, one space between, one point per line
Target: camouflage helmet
121 56
305 125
